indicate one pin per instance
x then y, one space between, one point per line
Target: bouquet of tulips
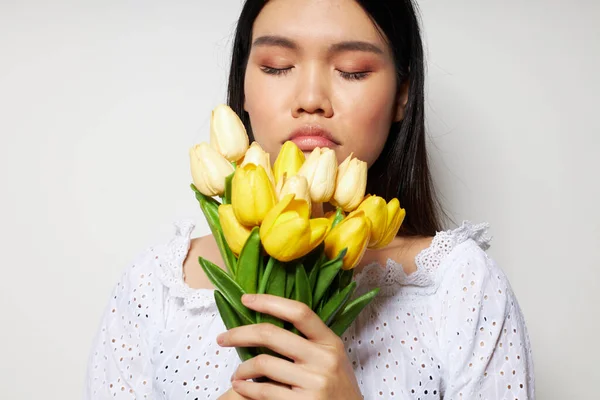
267 237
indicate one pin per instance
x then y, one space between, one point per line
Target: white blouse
451 330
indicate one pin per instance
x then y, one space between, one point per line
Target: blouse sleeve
483 334
119 364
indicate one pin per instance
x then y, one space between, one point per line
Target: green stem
266 275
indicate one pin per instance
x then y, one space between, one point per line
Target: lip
310 136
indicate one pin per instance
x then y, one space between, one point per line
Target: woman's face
319 73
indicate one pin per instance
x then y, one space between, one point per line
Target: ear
401 101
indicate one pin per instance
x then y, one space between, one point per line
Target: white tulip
351 183
320 169
209 169
298 185
227 133
257 156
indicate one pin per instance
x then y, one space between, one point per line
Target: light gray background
100 101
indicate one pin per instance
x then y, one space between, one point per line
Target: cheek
265 104
368 116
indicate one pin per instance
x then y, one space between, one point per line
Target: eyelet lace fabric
170 269
425 279
451 330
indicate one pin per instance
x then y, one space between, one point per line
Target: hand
320 367
232 395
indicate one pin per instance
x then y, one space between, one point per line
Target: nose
312 94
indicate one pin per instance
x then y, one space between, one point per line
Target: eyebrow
278 41
353 45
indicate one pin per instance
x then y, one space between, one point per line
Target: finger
279 340
260 391
273 368
233 395
299 314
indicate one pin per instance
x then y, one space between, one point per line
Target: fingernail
221 338
248 298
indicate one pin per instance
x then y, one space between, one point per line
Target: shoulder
481 326
205 247
458 254
159 261
474 291
470 269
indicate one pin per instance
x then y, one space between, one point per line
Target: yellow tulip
297 185
209 169
320 169
227 133
353 232
257 156
351 183
288 232
235 233
394 221
288 161
385 219
252 194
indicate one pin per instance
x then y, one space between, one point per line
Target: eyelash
276 71
354 76
350 76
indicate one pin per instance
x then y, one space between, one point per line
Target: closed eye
275 71
354 76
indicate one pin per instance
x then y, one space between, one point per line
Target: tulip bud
394 221
227 133
257 156
375 209
353 233
320 169
385 219
235 233
297 185
288 161
351 183
252 194
288 232
209 169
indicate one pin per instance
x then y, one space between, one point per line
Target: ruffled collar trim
389 278
170 269
428 261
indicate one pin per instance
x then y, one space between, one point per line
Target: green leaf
339 216
327 273
276 287
336 303
351 311
312 258
227 194
345 277
264 280
229 288
261 267
314 272
248 263
210 209
290 281
319 308
302 291
231 319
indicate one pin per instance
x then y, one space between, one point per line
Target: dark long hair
402 170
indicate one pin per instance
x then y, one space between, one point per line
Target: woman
348 75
